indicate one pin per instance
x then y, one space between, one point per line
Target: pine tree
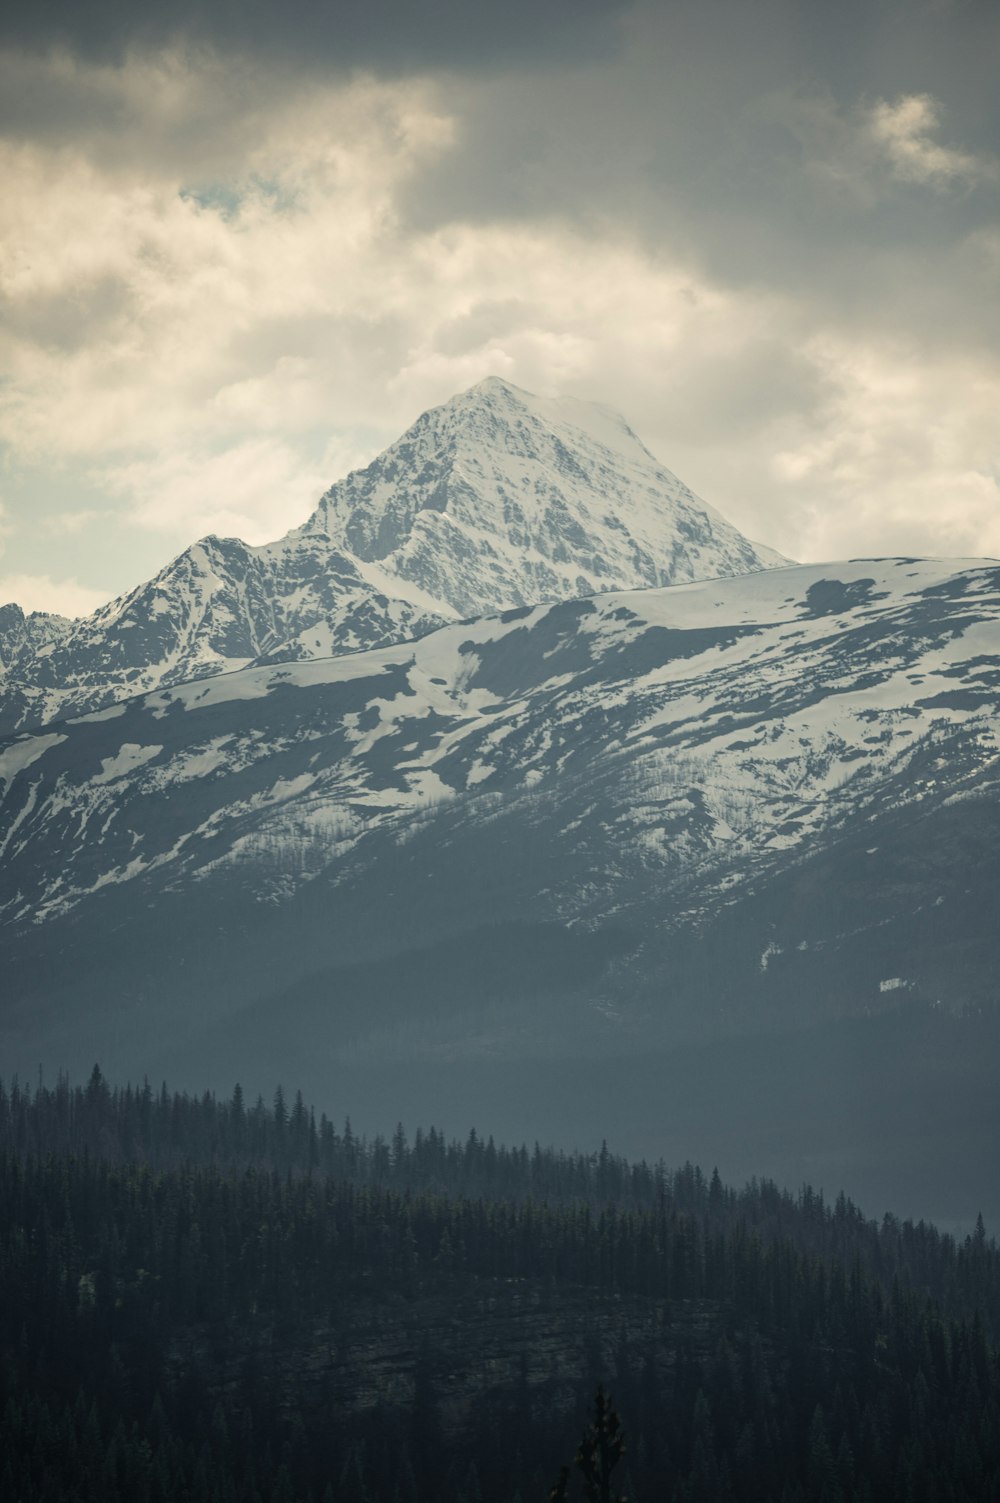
601 1448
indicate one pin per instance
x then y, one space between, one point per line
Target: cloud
904 132
255 490
60 597
902 459
134 309
725 137
63 524
338 34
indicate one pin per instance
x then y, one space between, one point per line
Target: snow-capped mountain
501 499
495 499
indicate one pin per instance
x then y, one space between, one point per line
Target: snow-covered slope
657 750
500 498
495 499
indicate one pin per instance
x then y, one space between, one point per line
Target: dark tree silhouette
601 1449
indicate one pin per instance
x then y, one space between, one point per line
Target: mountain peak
497 498
504 402
501 498
493 386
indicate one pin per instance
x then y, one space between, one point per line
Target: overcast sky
243 246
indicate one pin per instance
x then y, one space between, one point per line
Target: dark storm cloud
389 35
742 134
723 100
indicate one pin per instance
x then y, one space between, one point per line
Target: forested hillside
211 1300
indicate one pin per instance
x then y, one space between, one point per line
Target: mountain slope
495 499
666 747
730 846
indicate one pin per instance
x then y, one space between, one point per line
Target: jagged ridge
495 499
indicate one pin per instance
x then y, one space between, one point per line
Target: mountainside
649 821
696 736
495 499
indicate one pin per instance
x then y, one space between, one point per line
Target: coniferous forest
216 1301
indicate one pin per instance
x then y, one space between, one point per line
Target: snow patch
768 954
97 717
22 754
128 759
286 788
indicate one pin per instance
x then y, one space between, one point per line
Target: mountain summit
496 499
500 498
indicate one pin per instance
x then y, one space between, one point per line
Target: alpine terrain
496 499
